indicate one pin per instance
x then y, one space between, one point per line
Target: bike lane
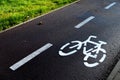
50 65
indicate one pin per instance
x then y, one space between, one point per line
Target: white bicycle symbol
88 53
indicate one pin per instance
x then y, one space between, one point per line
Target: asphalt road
58 49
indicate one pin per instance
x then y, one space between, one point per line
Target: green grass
13 12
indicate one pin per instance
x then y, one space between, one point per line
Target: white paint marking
30 57
90 65
85 22
103 58
65 46
61 53
111 5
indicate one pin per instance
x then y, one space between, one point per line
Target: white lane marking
84 22
30 57
110 5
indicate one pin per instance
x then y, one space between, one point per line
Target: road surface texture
78 42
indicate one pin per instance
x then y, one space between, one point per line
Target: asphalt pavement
78 42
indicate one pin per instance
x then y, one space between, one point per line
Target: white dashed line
85 22
30 57
111 5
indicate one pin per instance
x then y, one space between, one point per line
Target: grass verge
13 12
